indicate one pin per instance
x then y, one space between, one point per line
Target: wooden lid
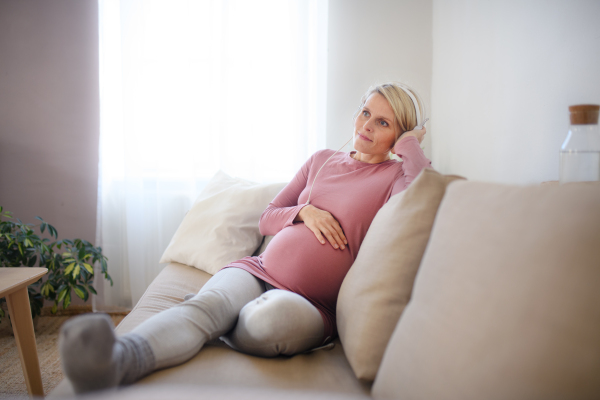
584 114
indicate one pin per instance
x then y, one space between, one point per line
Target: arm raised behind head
413 159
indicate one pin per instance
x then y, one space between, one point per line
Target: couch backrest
506 303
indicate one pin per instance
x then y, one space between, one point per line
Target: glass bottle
580 152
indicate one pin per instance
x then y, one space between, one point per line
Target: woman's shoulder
322 155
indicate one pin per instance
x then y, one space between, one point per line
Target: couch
495 295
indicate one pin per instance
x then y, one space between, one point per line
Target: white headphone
409 92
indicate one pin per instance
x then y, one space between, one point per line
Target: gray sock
134 357
94 359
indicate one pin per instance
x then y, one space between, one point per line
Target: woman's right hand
323 223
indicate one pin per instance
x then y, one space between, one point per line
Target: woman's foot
87 345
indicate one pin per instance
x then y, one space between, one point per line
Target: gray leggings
269 323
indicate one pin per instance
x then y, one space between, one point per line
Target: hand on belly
296 259
323 225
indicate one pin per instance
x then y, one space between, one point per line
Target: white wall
373 42
504 74
49 113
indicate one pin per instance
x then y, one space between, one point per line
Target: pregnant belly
297 260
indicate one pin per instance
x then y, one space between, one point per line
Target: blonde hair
405 116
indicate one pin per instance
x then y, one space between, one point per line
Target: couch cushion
217 364
379 284
222 225
506 303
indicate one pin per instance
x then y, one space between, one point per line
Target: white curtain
188 87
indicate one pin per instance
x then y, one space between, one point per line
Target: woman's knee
277 322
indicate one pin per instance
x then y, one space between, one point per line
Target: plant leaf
62 294
79 292
46 289
84 291
89 268
69 268
67 301
76 271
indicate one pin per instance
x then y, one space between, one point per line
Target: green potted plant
69 262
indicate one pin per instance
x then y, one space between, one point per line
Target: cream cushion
222 225
506 303
379 284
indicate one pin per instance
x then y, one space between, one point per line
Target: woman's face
374 127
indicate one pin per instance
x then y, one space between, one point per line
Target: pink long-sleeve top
352 191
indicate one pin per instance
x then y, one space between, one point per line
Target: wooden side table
13 286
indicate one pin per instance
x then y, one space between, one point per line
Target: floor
12 382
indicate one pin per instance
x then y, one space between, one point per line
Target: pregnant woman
284 300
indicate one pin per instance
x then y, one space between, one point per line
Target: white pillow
222 225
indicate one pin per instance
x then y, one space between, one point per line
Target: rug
12 382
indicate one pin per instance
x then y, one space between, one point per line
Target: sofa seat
218 365
193 392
